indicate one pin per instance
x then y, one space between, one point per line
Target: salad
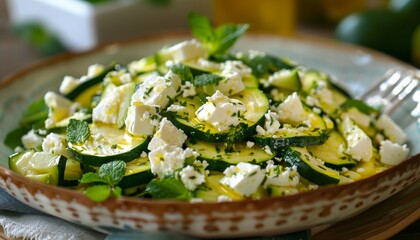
198 121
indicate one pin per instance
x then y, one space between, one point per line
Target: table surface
15 54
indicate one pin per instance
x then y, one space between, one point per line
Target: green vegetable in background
389 30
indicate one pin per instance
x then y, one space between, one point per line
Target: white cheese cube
231 85
244 178
322 92
187 50
68 84
237 67
94 70
208 65
167 134
59 108
391 129
140 120
359 145
188 89
157 90
191 177
166 159
360 118
55 144
272 125
276 176
221 111
31 140
107 109
291 110
392 153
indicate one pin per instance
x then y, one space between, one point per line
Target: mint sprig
217 40
78 131
206 79
168 188
104 183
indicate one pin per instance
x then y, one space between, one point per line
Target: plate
354 68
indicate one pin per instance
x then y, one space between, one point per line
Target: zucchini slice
332 152
255 101
219 157
213 189
84 92
39 166
286 79
107 143
317 133
137 172
310 167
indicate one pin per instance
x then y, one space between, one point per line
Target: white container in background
81 26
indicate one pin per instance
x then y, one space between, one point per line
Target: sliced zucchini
219 157
332 152
255 101
250 81
137 173
107 143
316 133
286 79
84 92
39 166
310 167
213 189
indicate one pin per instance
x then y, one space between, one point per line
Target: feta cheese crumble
221 111
167 134
392 153
59 108
157 90
55 144
359 145
140 120
244 178
291 110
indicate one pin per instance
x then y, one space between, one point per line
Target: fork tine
390 74
409 89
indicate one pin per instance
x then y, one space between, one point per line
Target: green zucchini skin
97 160
219 157
51 172
331 154
310 167
298 141
194 128
90 83
94 153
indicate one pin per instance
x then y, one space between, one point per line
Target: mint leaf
36 111
98 193
77 131
13 138
183 71
201 28
226 36
91 177
206 79
216 41
168 188
113 172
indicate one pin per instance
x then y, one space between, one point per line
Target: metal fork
392 89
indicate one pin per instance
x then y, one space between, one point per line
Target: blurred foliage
40 38
393 29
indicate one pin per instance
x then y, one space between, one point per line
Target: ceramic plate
354 68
